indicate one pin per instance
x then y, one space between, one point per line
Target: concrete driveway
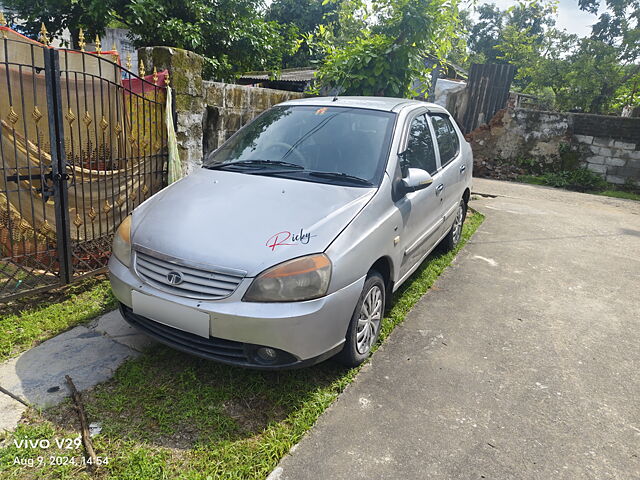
523 361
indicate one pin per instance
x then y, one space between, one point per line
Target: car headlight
122 242
299 279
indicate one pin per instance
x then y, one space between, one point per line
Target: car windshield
314 143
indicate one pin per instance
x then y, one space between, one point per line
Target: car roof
387 104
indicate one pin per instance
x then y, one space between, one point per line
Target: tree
93 15
619 28
387 53
232 35
486 35
305 16
594 74
619 24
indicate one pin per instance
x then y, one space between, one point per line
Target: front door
452 170
422 210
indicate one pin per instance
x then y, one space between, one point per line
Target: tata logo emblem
174 277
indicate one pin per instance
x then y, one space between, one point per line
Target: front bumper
218 349
304 332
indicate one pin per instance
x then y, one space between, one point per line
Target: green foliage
618 25
378 47
529 164
304 16
386 51
583 74
596 74
621 194
627 94
583 180
528 18
579 179
233 35
92 15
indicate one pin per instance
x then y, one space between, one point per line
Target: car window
318 139
447 138
420 152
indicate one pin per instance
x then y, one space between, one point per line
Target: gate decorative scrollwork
82 142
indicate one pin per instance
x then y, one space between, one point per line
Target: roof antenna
335 96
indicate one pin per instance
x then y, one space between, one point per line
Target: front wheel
366 320
453 237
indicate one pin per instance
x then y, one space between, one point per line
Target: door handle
463 168
439 189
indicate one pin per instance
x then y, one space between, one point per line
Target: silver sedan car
285 247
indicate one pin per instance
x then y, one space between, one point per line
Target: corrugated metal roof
286 75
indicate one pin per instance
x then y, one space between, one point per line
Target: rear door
452 167
422 210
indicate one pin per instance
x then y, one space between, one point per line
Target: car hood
245 222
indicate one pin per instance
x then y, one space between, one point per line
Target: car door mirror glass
416 179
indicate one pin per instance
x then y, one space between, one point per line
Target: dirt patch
483 142
253 414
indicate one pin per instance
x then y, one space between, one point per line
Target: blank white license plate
171 314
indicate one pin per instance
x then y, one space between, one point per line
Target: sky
570 17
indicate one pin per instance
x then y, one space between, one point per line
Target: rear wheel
453 237
364 327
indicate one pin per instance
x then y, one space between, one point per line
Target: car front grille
196 281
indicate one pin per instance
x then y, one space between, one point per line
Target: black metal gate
82 142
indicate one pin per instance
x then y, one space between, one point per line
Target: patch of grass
579 179
532 179
171 415
621 194
32 320
582 180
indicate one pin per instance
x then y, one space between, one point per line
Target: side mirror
416 179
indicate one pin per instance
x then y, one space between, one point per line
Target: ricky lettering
301 237
287 238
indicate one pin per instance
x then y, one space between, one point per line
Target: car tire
364 327
455 234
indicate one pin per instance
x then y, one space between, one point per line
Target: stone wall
229 107
518 140
618 161
207 113
185 73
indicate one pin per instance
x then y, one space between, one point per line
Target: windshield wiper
341 176
254 164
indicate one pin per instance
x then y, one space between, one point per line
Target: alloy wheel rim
369 319
457 228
